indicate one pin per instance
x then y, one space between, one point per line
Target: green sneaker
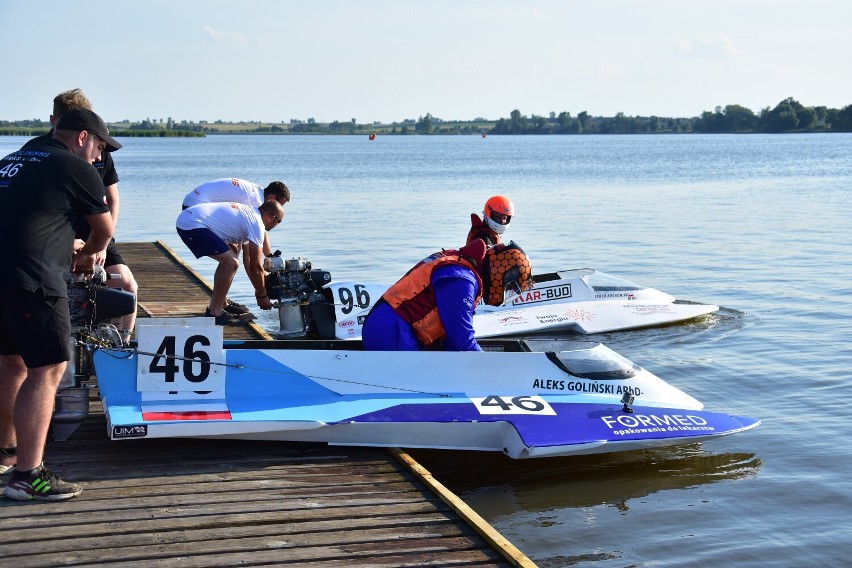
40 485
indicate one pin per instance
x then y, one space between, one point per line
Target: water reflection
495 485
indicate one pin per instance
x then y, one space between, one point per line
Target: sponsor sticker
512 320
580 314
139 431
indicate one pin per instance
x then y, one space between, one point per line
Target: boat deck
191 502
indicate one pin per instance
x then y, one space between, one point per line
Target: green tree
517 122
502 127
842 120
538 125
739 119
807 118
425 124
583 119
780 119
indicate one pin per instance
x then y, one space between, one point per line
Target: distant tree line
788 116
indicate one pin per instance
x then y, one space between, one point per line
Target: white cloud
717 46
224 37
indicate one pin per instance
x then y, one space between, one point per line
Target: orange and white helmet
505 266
493 214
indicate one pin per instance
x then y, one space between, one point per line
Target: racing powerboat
582 301
182 380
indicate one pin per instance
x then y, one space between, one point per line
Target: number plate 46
528 404
176 355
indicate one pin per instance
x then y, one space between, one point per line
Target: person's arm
254 269
455 298
111 192
102 229
267 248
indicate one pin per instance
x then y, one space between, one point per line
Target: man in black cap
41 189
112 260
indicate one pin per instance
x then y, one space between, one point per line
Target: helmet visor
500 218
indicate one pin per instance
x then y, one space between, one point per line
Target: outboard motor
304 307
90 304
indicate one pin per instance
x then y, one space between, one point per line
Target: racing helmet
497 205
505 266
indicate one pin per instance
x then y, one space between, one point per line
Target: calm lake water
759 225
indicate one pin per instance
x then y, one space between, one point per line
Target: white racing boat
582 301
183 381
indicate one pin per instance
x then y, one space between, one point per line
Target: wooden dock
189 502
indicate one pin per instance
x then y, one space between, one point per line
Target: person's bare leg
229 263
33 412
12 375
127 283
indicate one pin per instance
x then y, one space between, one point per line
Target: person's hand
264 303
83 263
100 257
78 244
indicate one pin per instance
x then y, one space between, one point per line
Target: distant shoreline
788 116
32 132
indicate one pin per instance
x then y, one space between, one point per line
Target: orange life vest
479 230
413 298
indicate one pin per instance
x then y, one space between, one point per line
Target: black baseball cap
80 119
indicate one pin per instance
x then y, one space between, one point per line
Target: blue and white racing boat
580 301
183 381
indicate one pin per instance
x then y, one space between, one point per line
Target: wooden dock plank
193 502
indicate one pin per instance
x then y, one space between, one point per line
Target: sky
391 60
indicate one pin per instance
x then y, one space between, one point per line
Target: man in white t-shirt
235 190
211 229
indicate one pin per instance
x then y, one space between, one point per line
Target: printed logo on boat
537 295
569 315
657 423
580 314
139 431
512 320
649 310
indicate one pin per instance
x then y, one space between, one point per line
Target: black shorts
113 257
36 327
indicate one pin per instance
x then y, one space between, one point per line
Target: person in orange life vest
496 215
432 306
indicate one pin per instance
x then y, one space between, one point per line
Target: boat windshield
563 274
598 363
602 282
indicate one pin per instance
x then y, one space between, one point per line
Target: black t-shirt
105 166
106 169
42 188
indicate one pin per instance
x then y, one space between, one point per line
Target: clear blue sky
388 60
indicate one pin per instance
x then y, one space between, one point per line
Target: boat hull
528 404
